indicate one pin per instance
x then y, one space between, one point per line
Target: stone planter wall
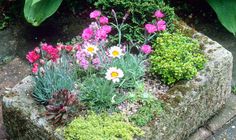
191 103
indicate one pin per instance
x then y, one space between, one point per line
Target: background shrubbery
141 12
176 57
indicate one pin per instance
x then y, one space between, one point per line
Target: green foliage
234 89
36 11
56 77
141 12
133 68
226 12
176 57
150 106
146 113
99 93
101 127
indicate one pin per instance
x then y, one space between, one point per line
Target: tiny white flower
91 49
115 52
114 74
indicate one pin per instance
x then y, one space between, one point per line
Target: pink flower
159 14
101 34
68 48
150 28
95 14
32 56
161 25
87 33
53 53
146 49
103 20
106 28
35 68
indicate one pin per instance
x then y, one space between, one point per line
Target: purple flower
146 49
101 34
161 25
159 14
106 28
150 28
84 64
95 14
103 20
87 33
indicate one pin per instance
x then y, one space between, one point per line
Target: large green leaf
226 12
36 11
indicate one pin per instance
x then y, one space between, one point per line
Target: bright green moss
176 57
101 127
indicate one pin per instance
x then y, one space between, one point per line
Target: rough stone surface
227 113
190 105
201 134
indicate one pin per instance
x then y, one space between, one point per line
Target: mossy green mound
101 127
176 57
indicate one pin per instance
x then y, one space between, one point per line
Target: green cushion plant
176 57
101 127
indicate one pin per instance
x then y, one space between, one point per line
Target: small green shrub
141 12
101 127
176 57
99 93
146 113
150 108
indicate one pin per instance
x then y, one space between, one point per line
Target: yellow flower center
114 74
115 53
90 49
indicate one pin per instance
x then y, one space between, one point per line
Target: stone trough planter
190 103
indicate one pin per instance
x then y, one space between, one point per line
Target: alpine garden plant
93 75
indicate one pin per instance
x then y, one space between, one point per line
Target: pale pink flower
37 50
87 33
95 14
96 61
106 28
161 25
41 61
35 68
159 14
150 28
103 20
146 49
84 64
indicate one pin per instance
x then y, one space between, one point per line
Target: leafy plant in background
36 11
176 57
141 12
226 12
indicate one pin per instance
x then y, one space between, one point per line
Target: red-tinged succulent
62 106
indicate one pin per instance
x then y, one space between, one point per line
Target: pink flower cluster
160 25
146 49
96 31
49 53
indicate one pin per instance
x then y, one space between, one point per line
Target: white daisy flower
115 52
114 74
91 49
